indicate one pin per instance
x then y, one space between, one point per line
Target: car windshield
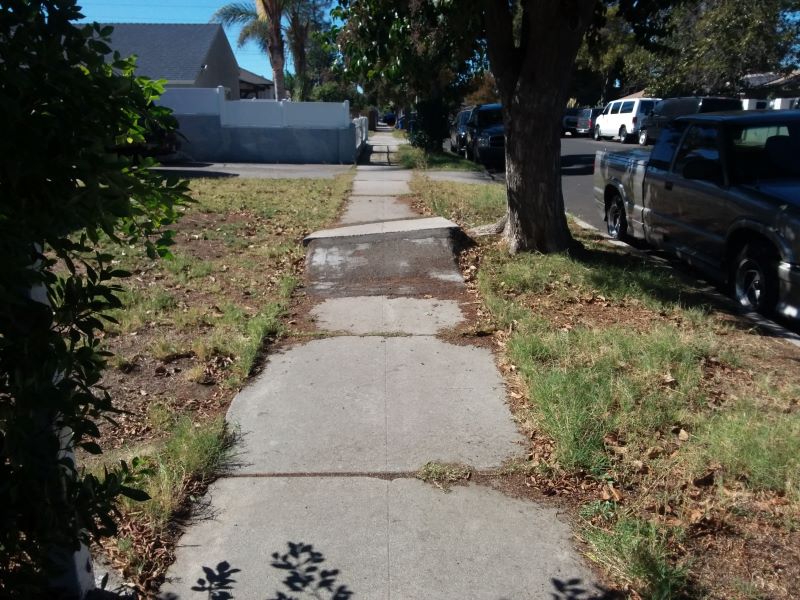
487 118
765 152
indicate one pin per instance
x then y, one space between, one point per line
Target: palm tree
262 24
305 17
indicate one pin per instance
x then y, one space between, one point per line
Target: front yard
193 330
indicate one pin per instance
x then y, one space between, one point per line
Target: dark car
486 140
458 131
569 122
389 118
670 108
722 192
586 117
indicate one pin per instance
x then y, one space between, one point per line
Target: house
185 55
252 86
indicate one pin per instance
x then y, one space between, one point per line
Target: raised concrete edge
382 227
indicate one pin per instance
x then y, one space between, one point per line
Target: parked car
669 108
389 118
486 140
569 122
722 191
622 118
458 131
586 120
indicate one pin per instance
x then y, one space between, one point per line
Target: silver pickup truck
722 191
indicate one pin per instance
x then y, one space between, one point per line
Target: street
577 166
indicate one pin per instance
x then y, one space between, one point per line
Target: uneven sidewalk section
324 500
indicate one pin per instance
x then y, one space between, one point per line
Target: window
698 156
607 109
627 107
645 106
663 151
487 118
765 152
615 108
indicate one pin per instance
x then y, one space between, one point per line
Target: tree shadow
577 164
306 576
668 279
576 589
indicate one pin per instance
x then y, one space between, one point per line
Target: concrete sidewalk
325 502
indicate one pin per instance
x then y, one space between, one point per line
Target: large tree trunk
532 76
277 60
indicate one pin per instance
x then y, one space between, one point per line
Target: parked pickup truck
722 191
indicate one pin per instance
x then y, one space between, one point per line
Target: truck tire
616 220
754 277
643 137
623 134
597 136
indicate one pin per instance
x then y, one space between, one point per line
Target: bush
67 116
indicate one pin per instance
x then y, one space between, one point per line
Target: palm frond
235 13
257 31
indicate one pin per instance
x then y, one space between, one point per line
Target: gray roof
252 78
171 51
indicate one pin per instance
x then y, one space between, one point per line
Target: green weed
637 551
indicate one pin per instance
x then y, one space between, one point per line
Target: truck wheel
755 277
597 133
616 221
623 134
643 137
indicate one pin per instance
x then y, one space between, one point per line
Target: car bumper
583 130
789 291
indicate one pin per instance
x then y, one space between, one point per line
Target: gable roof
172 51
252 78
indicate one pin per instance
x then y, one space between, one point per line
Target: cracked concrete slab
380 188
387 539
374 404
380 314
371 209
413 264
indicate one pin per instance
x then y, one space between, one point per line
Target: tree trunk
532 77
276 58
536 219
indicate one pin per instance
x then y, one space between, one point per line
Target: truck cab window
664 150
698 157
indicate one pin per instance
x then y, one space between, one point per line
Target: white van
622 118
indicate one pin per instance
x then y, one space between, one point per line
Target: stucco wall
207 140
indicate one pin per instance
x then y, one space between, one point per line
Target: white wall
193 101
257 113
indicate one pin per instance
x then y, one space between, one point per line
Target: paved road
577 166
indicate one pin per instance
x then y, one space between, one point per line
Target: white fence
256 113
362 131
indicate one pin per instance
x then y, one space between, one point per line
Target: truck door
660 210
700 193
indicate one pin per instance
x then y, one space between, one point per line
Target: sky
176 11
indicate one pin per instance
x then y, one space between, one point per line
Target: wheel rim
750 284
643 137
623 133
614 220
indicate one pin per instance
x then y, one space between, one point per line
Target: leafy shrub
69 110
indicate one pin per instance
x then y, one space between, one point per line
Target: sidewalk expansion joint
388 475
